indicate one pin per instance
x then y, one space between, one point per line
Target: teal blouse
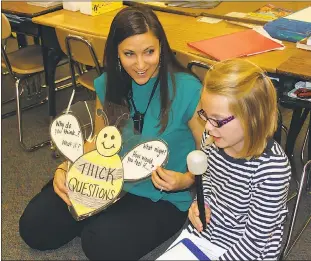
177 134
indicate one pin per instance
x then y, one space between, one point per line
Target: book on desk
269 12
239 44
292 28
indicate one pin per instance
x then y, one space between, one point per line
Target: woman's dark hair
128 22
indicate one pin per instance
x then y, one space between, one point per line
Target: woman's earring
119 65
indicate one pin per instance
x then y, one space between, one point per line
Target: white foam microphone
197 165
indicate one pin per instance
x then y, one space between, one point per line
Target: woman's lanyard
138 117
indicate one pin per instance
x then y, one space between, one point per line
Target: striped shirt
248 202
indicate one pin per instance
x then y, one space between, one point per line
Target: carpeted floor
24 173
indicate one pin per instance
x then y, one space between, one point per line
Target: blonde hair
252 99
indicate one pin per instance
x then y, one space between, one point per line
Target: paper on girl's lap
209 249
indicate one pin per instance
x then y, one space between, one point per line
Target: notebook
188 246
184 250
239 44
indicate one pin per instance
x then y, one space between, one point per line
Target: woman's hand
59 183
168 180
194 216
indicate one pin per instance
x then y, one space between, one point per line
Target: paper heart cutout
143 159
94 182
66 134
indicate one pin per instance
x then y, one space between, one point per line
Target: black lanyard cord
138 117
150 98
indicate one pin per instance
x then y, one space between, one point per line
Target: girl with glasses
246 183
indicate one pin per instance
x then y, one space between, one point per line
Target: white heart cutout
143 159
66 134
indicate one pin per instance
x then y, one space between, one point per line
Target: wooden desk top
298 65
179 29
95 25
23 9
226 7
245 7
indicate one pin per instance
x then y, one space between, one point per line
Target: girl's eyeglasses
215 123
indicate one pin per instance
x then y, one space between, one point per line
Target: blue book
288 29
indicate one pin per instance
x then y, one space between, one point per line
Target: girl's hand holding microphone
194 216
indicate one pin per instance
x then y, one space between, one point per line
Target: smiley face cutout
109 141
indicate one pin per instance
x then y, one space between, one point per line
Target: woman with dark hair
141 72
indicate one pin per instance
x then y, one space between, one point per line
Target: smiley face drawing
95 180
109 141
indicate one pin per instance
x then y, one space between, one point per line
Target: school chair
199 69
85 49
22 65
303 180
185 59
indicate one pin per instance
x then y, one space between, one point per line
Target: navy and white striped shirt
248 202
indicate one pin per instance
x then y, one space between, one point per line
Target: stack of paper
303 15
304 44
44 4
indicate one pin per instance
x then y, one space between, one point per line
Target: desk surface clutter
194 30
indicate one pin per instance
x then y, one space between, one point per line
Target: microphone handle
200 199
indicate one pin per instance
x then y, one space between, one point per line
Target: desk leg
51 58
21 40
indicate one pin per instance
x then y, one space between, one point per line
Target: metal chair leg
13 112
19 121
304 146
11 99
284 128
299 235
287 249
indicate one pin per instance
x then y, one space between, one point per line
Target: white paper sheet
303 15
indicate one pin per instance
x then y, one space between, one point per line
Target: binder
239 44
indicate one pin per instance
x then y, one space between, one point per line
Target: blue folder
288 29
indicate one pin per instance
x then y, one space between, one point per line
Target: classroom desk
297 67
224 8
176 28
26 10
20 14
